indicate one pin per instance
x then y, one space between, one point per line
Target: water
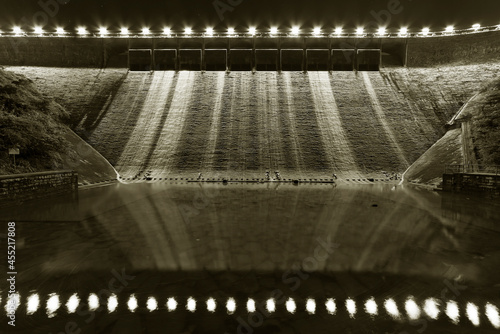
311 258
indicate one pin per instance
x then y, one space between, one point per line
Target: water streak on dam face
179 124
149 121
334 138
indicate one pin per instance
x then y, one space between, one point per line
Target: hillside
35 124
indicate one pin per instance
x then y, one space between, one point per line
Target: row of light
295 31
431 307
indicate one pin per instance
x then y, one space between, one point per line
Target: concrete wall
472 183
457 50
24 187
113 52
64 52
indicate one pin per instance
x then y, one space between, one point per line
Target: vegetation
32 122
486 126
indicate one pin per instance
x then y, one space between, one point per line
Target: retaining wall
23 187
472 183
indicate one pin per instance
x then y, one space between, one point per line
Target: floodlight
146 31
252 30
124 31
188 31
82 31
476 27
230 31
274 30
167 31
209 31
17 30
317 31
295 31
403 31
426 31
381 31
449 29
103 31
60 30
360 31
38 30
338 31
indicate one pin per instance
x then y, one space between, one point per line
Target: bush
32 122
486 126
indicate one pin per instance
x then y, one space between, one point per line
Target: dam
260 187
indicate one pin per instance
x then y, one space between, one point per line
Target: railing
480 169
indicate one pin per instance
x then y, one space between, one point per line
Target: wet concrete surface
258 241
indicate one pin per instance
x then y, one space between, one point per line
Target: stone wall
477 48
472 183
24 187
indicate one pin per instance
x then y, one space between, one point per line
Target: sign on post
14 151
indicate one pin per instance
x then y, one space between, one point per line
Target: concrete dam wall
283 53
240 125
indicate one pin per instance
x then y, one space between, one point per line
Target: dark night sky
261 13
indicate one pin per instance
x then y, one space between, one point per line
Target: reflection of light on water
493 315
371 307
211 304
452 311
112 303
191 304
392 308
132 303
13 302
231 305
351 307
431 308
93 302
72 303
290 305
330 306
171 304
270 305
32 304
251 305
412 309
472 312
311 306
152 304
53 305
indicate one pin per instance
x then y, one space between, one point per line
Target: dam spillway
242 124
